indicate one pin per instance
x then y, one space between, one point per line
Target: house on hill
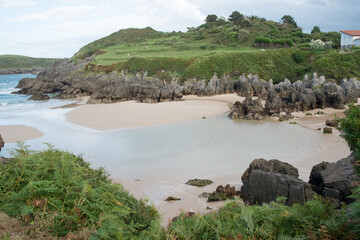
350 38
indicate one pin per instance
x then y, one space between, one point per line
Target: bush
63 190
316 219
299 56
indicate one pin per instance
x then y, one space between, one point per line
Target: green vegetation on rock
199 182
22 62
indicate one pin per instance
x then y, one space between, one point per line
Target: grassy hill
271 49
23 62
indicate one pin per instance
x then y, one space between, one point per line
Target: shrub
62 188
299 56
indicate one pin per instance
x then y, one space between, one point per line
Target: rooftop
351 32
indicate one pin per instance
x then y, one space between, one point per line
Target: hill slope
270 49
23 62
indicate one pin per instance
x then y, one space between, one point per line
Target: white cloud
55 13
16 3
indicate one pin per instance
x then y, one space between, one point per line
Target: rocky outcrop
21 71
298 96
39 97
335 181
264 181
69 79
222 193
249 109
2 143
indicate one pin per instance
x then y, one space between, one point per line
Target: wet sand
15 133
157 190
132 114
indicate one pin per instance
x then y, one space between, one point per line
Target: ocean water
202 148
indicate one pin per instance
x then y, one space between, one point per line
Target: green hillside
239 44
23 62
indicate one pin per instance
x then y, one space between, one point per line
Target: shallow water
207 148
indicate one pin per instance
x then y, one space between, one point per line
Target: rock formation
335 180
69 79
1 142
39 97
264 181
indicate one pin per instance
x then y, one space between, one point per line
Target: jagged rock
199 182
222 193
273 103
327 130
2 143
335 180
264 181
331 123
249 109
39 97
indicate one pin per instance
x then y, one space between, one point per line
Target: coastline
15 133
132 114
102 117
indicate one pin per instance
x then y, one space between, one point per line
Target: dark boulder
327 130
335 180
39 97
2 143
264 181
331 123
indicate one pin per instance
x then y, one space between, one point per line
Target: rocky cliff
69 79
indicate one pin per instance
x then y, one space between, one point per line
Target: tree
288 21
211 18
236 18
315 30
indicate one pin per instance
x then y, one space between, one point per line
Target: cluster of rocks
292 97
265 181
69 79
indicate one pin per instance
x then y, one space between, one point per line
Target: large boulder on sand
335 181
1 142
264 181
249 109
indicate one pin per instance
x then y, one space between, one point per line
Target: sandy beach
15 133
133 114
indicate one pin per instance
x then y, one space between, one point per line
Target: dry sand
133 114
15 133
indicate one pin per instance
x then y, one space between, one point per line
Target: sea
203 148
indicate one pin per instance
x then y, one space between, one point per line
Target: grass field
17 61
173 46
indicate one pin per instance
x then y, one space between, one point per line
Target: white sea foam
4 104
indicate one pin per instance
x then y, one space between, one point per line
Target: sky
59 28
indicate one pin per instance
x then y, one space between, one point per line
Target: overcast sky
59 28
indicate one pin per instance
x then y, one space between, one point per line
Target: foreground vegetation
237 45
23 62
61 192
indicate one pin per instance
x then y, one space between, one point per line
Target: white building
350 38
